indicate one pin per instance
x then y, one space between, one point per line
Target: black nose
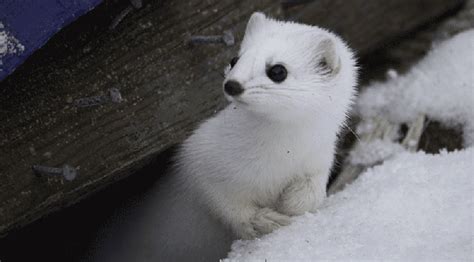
233 88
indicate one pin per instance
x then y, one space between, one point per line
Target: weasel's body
267 156
264 158
247 162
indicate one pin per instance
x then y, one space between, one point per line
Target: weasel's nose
233 88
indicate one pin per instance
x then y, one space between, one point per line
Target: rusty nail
227 38
134 4
113 96
67 172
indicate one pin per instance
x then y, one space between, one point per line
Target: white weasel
264 158
267 156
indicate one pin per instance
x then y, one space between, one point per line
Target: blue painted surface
33 22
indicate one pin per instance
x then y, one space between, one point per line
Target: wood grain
167 88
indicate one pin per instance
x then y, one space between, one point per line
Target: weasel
264 158
267 156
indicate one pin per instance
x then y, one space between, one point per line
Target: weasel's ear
255 22
327 59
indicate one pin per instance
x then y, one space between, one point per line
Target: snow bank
440 86
374 152
414 206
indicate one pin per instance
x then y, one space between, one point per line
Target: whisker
269 93
352 131
279 88
343 124
270 90
219 72
294 90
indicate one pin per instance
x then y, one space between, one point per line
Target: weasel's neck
241 120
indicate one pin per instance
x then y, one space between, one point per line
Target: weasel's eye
234 61
277 73
323 63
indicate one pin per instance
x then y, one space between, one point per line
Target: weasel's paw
267 220
299 197
245 231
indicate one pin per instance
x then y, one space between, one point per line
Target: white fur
264 158
267 156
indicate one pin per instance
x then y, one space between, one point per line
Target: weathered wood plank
382 130
166 87
371 24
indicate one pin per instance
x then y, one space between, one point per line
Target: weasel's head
288 71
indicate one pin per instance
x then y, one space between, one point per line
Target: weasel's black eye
234 61
277 73
323 63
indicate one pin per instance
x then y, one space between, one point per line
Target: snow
440 86
369 153
392 73
8 44
414 206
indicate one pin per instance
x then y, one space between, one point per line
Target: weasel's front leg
267 220
303 194
257 222
247 220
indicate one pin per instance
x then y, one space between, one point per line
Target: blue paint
34 22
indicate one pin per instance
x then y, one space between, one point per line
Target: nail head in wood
67 172
227 38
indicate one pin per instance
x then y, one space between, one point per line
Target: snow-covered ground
8 44
414 206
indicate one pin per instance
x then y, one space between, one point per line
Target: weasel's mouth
239 100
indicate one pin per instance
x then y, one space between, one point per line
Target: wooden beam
165 88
